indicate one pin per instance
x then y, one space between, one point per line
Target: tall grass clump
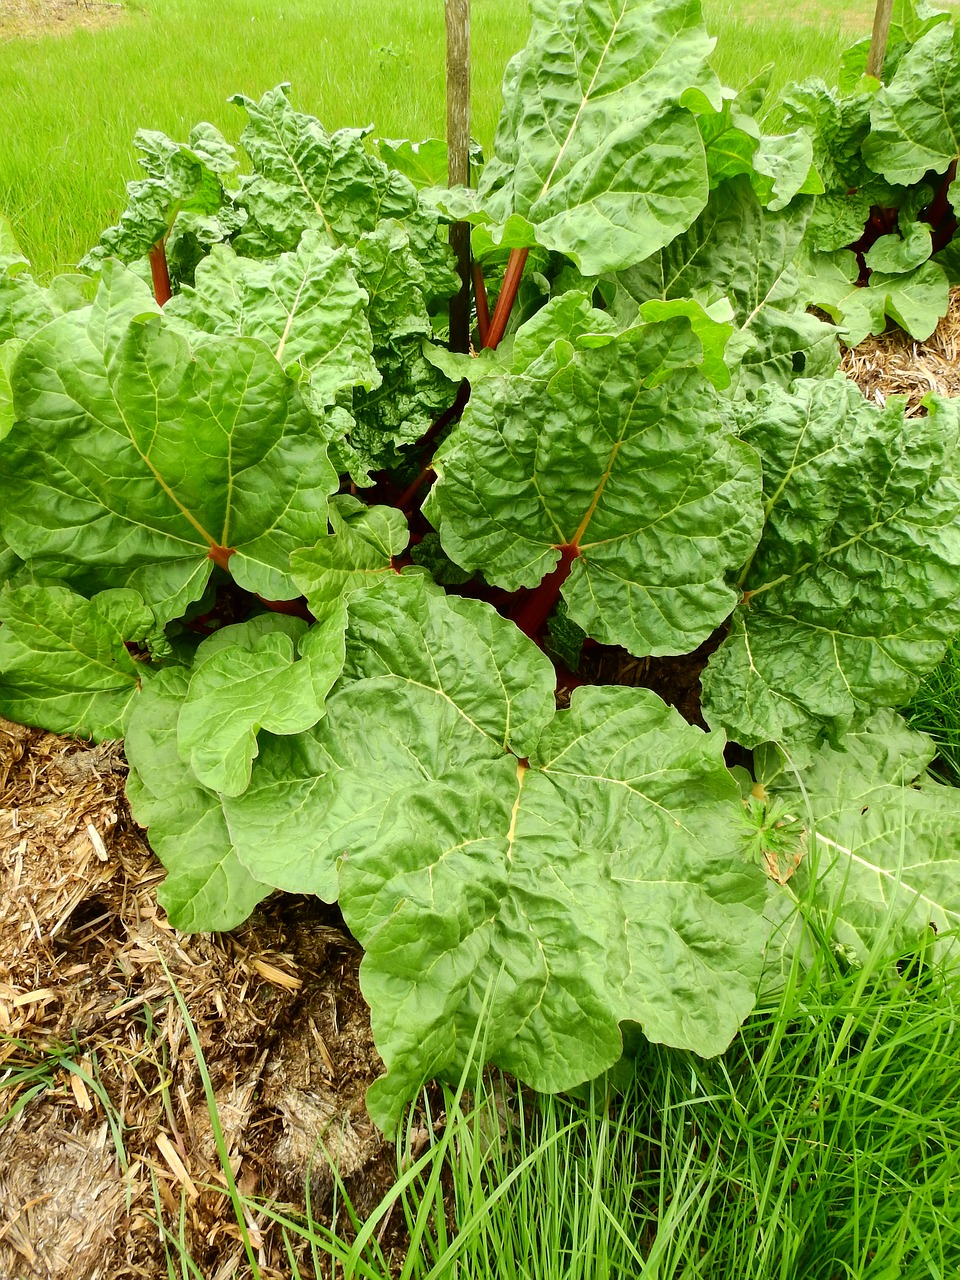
823 1145
936 710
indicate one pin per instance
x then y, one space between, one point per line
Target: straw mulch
84 997
896 364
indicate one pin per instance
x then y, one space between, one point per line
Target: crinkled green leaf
838 220
248 677
879 834
181 177
360 549
208 887
786 162
915 120
402 274
602 449
601 884
194 234
8 353
894 253
412 395
831 282
412 652
620 834
779 167
854 591
140 454
837 124
306 306
916 299
738 251
26 306
424 163
571 316
307 179
712 331
64 664
597 155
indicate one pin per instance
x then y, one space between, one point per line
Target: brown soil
52 17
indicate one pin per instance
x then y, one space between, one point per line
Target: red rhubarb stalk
533 613
160 273
221 556
939 213
483 308
406 501
508 296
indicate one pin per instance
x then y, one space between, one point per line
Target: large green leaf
139 455
307 179
608 445
271 673
916 299
306 306
583 865
64 662
880 837
621 835
360 548
411 649
208 887
739 251
182 178
854 591
597 153
916 118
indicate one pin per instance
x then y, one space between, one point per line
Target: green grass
70 105
936 710
823 1145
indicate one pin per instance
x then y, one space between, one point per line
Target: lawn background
70 104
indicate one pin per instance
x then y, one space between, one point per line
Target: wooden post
458 163
878 41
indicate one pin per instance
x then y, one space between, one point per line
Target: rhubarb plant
368 613
879 247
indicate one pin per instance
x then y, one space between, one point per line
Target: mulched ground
85 954
284 1031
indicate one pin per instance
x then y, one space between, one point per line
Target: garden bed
85 1000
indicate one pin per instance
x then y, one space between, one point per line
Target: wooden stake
458 162
878 41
